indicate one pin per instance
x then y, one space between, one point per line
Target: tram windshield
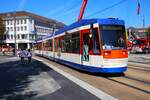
113 37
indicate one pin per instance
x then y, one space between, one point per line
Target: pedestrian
3 50
21 55
29 55
13 50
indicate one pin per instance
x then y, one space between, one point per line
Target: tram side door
85 59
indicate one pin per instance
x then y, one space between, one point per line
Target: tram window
55 45
111 36
71 43
63 49
38 46
68 43
35 46
92 39
45 45
96 46
49 45
75 43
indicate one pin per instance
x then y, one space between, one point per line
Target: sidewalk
37 81
6 54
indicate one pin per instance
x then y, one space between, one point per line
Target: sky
67 11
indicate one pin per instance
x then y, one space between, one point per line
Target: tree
2 29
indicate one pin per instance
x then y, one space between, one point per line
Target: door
85 47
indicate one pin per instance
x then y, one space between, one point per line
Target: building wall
141 32
23 29
28 27
27 30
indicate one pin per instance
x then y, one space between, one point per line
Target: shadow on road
15 78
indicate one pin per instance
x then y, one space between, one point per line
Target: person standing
29 55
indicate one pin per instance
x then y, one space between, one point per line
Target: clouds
21 4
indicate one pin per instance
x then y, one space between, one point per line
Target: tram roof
109 21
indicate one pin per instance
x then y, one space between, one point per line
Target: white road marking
98 93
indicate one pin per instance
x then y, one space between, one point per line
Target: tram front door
85 40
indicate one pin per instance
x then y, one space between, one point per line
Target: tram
91 45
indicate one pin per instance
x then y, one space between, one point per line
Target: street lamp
15 50
54 27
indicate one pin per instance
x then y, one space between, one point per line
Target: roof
32 15
84 22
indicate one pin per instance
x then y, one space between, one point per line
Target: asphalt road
36 81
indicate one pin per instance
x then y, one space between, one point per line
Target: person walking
21 55
29 55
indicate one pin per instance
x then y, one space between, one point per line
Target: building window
17 21
11 29
11 36
22 36
7 28
7 36
21 28
25 36
18 36
25 21
25 28
31 36
18 28
8 22
21 21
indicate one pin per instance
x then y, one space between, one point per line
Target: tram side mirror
91 31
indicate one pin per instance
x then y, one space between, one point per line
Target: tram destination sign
111 28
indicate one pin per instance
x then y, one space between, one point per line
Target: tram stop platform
37 81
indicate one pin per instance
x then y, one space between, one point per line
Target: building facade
24 27
140 32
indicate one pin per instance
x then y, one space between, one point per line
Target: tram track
138 73
145 91
131 82
140 69
147 69
142 81
136 78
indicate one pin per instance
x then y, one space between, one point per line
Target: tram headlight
107 53
124 52
90 35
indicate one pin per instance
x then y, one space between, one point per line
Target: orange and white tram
93 45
